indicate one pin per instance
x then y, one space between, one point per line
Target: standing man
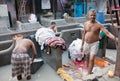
90 38
20 59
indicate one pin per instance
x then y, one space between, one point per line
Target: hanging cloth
46 4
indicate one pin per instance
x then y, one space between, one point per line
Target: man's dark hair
53 23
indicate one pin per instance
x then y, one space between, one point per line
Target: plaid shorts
20 64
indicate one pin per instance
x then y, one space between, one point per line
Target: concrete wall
70 35
110 42
4 19
5 52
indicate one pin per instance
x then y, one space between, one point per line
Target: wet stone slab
36 65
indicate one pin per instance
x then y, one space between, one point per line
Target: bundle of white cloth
74 50
42 35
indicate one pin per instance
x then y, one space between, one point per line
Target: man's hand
31 61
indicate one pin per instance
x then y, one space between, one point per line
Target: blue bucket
100 17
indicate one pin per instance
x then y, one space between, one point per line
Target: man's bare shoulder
27 40
99 24
86 22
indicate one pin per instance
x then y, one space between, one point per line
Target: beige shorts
91 48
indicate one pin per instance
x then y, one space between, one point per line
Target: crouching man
20 59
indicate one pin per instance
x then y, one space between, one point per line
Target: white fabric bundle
43 34
74 49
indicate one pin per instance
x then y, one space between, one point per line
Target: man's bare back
20 58
22 45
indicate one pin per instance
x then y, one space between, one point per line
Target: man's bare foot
19 77
28 77
90 73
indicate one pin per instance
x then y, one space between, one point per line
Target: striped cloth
20 64
56 42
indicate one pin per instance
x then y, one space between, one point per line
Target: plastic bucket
100 17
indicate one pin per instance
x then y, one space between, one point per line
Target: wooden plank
117 66
117 27
118 9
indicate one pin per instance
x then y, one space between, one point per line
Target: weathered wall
4 19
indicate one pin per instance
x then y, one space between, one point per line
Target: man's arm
34 51
83 38
108 34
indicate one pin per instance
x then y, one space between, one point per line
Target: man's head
17 36
92 14
53 23
53 26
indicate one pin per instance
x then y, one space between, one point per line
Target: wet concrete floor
46 73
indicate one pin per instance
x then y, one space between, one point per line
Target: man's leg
91 63
19 77
87 58
28 77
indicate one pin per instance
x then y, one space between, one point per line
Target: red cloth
81 64
116 7
56 42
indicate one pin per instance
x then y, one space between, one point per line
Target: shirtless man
20 59
90 38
